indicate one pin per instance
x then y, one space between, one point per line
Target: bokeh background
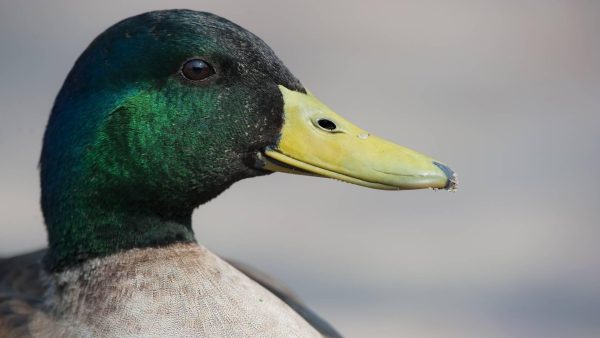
506 92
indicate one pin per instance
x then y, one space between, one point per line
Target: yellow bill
316 141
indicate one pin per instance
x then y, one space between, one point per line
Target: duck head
165 110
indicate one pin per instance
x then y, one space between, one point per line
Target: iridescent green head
165 110
162 112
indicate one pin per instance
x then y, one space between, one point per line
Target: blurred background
506 92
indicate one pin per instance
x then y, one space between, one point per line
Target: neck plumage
84 226
97 199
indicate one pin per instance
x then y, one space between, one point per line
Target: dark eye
197 70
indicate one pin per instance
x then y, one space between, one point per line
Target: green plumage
161 113
132 147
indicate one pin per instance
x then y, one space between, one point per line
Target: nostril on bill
327 124
452 182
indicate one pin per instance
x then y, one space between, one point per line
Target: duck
161 113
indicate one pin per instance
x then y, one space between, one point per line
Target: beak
316 141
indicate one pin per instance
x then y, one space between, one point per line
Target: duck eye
197 70
326 124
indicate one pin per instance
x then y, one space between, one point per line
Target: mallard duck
161 113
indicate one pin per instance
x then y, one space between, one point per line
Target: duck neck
84 224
